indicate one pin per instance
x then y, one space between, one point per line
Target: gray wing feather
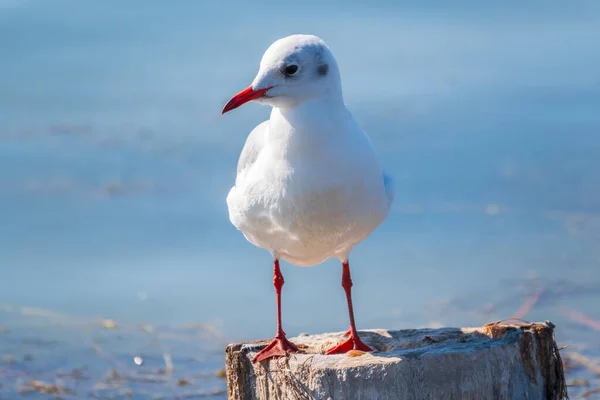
254 144
388 182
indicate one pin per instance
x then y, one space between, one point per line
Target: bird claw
279 347
352 343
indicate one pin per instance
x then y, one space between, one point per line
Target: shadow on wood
496 361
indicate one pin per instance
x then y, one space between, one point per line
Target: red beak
242 97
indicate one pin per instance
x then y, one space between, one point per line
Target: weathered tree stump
495 361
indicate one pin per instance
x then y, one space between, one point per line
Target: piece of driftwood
496 361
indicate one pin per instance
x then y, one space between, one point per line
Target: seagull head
293 70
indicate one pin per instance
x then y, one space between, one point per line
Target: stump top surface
391 346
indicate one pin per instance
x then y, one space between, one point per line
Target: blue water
115 161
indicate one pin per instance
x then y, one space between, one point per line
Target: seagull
309 186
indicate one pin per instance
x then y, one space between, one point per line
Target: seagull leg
280 346
353 342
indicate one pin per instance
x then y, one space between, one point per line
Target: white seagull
308 186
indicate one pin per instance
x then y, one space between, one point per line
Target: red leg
280 346
353 342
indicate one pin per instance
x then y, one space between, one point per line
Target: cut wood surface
495 361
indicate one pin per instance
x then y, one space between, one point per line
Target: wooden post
496 361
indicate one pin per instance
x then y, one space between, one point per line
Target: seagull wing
388 182
252 148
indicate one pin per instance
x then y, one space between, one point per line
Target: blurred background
115 162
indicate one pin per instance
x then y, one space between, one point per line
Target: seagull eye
290 69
